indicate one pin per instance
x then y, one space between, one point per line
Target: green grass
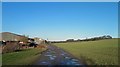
25 57
102 52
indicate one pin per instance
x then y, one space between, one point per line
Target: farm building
7 36
11 42
39 40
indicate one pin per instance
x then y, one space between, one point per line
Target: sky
60 0
60 20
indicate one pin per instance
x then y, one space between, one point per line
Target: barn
10 41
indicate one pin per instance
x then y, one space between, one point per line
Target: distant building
39 40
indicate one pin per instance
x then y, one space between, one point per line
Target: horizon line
77 39
61 39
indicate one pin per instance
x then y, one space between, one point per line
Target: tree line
87 39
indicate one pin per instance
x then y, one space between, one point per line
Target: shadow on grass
22 50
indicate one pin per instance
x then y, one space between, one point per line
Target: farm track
57 56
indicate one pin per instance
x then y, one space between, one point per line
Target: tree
70 40
109 37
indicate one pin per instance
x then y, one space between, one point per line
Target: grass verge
24 57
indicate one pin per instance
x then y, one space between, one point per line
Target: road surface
57 56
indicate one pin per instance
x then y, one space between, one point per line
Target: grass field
24 57
101 52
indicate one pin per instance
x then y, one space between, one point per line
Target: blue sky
60 0
61 20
